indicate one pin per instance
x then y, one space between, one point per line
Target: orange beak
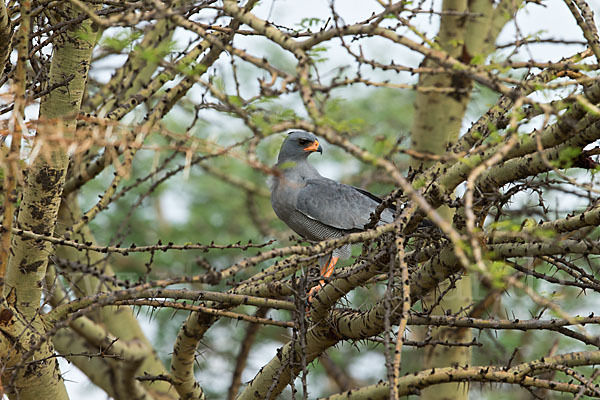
314 146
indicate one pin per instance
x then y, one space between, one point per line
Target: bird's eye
303 142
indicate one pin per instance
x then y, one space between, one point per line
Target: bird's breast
284 194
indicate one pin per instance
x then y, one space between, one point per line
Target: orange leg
326 271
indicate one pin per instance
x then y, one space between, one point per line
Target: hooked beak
314 146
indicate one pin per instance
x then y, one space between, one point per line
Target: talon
326 272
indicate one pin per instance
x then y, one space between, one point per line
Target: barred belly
314 230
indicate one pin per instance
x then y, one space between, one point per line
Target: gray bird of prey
315 207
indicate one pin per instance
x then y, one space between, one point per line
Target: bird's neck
298 167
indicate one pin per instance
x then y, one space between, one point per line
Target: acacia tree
116 111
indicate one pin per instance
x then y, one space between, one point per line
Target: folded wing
340 206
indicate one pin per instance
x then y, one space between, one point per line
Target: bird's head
298 146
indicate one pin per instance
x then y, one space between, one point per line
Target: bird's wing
337 205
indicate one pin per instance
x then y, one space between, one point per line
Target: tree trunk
23 379
437 123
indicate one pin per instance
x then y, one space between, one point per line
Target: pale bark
5 36
437 123
119 321
38 212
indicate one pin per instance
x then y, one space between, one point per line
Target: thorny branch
128 146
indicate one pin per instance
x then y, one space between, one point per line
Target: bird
315 207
